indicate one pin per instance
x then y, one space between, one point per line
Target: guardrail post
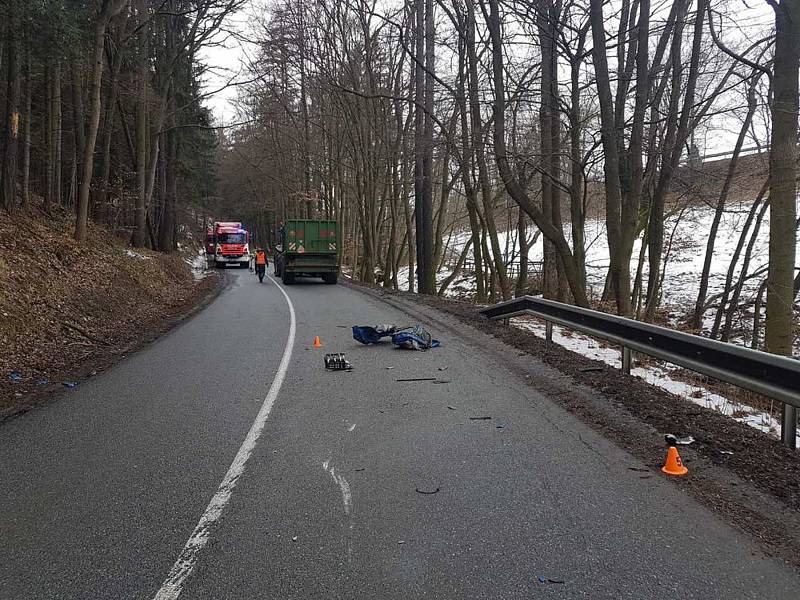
627 360
789 426
548 331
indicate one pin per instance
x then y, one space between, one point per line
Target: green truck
307 248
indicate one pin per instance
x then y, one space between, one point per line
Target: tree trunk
140 212
26 150
779 322
8 179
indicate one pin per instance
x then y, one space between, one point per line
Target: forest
449 138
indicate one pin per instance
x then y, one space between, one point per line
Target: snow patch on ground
659 376
199 265
132 254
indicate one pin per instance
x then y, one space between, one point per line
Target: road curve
101 489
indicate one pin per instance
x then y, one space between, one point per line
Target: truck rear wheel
288 278
329 278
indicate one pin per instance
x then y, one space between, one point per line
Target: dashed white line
183 567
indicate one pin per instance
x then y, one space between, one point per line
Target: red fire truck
228 243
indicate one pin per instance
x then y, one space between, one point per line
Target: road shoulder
756 489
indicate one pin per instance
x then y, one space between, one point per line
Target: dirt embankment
68 310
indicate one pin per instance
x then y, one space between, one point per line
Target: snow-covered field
686 235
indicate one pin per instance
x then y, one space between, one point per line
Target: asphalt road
101 489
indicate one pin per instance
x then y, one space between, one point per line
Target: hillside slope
68 310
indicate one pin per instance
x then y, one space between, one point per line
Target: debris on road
443 368
409 338
337 362
361 469
674 440
69 384
728 452
427 492
372 335
639 469
15 376
401 542
548 580
442 381
417 338
418 379
43 381
452 408
294 539
479 418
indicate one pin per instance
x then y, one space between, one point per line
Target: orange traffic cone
673 465
317 342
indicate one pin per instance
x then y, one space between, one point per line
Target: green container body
311 237
311 247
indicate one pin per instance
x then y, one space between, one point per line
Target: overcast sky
225 64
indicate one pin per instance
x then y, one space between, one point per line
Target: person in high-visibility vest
261 264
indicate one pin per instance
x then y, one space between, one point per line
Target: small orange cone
673 464
317 342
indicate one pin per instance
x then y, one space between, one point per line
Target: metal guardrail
775 376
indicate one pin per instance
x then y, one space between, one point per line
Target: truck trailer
307 248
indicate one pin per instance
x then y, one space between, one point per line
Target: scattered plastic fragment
499 426
361 469
452 408
443 368
479 418
729 452
674 440
401 542
427 492
548 580
418 379
337 362
294 539
43 381
69 384
389 368
15 376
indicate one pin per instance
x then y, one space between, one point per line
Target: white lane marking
187 560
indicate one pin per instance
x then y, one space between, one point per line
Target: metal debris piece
337 362
427 492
